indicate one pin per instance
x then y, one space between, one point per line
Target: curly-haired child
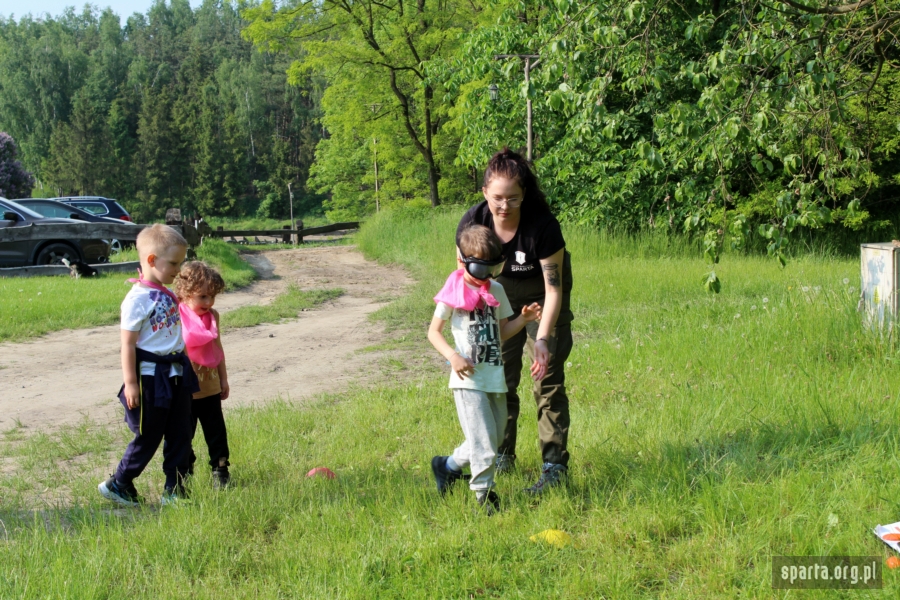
197 287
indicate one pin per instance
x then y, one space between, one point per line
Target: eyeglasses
483 269
508 203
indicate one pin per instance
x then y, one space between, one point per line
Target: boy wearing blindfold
479 314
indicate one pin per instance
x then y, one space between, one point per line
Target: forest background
741 123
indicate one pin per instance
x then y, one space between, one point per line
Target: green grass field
709 433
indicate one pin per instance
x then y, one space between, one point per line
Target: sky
123 8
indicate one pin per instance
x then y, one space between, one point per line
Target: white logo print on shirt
520 257
484 336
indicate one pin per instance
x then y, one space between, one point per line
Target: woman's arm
552 270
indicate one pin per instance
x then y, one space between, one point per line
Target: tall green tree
15 181
173 108
42 64
695 116
77 162
385 47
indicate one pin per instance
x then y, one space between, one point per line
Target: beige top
209 381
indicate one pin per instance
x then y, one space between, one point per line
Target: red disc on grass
321 472
893 562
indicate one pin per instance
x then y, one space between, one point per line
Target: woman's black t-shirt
538 237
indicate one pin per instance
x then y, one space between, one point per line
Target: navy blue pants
152 425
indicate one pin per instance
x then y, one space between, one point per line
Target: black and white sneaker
489 502
126 495
221 477
504 463
552 475
174 496
444 477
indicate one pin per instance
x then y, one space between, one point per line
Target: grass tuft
285 306
236 272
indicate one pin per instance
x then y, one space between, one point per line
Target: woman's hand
532 312
461 366
541 360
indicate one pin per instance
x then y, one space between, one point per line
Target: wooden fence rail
129 231
282 232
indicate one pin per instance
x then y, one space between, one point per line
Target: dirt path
296 360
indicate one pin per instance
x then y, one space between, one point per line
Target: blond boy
158 378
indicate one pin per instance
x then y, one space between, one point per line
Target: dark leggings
549 393
208 411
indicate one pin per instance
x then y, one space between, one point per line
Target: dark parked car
60 210
54 209
44 252
98 205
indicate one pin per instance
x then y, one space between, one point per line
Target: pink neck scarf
456 294
200 333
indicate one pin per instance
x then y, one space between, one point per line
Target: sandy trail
295 360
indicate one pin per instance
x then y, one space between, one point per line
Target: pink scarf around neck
155 286
457 294
200 333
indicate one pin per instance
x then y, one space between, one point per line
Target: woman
538 269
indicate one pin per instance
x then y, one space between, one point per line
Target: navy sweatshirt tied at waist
162 387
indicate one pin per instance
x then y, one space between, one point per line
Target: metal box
879 281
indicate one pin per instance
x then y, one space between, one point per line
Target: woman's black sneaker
489 502
552 475
221 478
504 463
444 477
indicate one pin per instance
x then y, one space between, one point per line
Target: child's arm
223 372
461 366
509 328
129 368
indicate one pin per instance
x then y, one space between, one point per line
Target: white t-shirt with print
155 315
477 337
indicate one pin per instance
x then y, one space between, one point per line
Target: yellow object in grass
554 537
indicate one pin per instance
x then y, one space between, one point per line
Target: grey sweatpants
482 416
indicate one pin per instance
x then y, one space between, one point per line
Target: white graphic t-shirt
477 337
155 315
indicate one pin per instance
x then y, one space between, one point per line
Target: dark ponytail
512 165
